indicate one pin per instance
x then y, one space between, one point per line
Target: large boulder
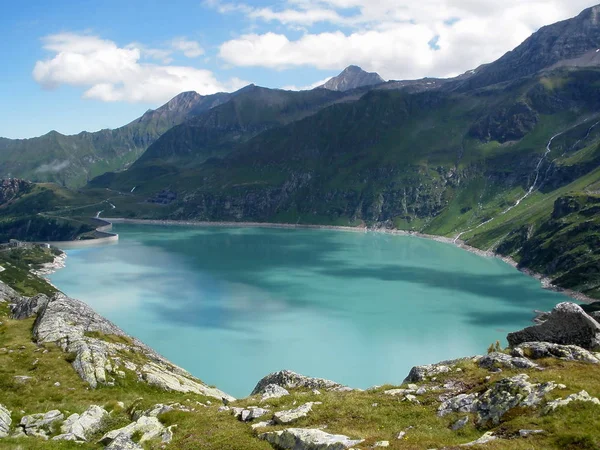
274 391
308 439
537 350
26 307
290 380
5 421
567 324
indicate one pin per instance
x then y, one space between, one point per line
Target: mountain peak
352 77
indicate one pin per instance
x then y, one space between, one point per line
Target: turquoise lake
231 305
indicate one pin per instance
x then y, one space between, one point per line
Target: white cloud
292 87
392 36
110 73
191 49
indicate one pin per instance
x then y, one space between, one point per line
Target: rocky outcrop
503 396
308 439
123 442
567 324
495 360
99 348
146 427
11 188
41 425
273 391
582 396
79 427
538 350
5 421
292 380
8 294
422 373
291 415
26 307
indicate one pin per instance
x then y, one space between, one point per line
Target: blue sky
85 65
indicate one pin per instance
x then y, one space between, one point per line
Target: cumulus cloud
392 37
191 49
111 73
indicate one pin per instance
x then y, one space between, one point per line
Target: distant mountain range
505 156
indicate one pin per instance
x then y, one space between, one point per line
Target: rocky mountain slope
352 77
570 42
71 379
74 160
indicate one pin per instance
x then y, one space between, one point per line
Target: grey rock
274 391
39 425
157 410
510 393
291 380
82 426
381 444
68 323
267 423
460 423
567 324
67 437
487 437
504 395
582 396
291 415
308 439
148 427
123 442
251 413
527 433
5 421
465 403
537 350
501 360
422 373
8 294
26 307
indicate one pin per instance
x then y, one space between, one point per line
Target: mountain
572 42
352 77
221 130
73 160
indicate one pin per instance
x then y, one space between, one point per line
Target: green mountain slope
74 160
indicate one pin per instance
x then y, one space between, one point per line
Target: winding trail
527 194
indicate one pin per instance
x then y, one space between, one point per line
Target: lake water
231 305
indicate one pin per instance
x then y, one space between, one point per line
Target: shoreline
546 282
